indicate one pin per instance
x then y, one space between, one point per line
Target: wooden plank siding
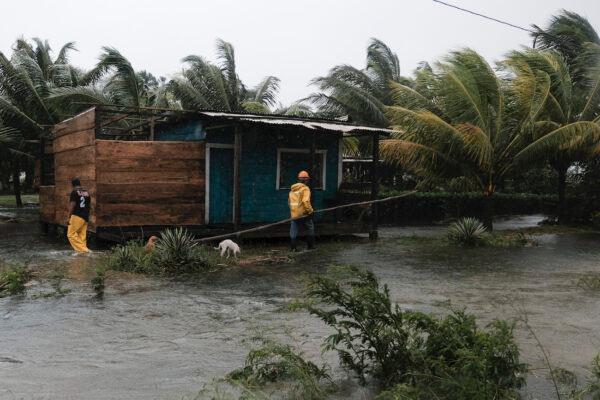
145 183
73 146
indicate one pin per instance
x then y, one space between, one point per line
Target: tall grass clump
175 252
282 369
467 231
414 355
13 279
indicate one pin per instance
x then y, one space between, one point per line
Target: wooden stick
263 227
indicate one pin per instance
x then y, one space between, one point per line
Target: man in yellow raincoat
301 211
79 214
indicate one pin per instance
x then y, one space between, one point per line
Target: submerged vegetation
175 252
13 279
466 231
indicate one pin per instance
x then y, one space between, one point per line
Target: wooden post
313 160
373 234
152 128
237 160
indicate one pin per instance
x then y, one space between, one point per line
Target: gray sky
294 40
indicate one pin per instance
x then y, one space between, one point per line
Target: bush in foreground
280 364
411 353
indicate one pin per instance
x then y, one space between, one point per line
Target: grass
9 200
590 282
13 279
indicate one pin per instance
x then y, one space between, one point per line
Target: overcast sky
293 40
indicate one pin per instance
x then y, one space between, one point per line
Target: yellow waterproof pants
76 233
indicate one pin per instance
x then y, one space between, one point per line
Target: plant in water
13 280
176 251
589 282
430 356
98 282
466 231
275 363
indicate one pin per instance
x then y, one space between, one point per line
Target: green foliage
280 363
13 280
98 282
466 231
175 252
589 282
438 206
432 357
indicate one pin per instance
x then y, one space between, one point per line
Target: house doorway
219 184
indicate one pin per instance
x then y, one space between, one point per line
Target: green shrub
279 363
13 280
98 282
175 252
130 257
466 231
589 282
433 356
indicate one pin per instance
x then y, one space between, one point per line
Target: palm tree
113 81
204 85
567 102
574 38
360 94
461 119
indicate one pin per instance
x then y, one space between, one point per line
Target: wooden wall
149 183
74 156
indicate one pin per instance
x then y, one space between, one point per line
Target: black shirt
81 198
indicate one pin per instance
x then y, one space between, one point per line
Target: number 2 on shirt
82 202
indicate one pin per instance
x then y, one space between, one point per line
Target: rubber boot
294 245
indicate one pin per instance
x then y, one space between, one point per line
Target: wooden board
74 140
81 122
115 149
46 196
77 156
149 183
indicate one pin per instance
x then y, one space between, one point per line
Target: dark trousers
308 225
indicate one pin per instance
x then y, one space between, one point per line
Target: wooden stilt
373 235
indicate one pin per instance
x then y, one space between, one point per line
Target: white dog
229 246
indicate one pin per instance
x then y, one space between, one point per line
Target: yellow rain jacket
299 201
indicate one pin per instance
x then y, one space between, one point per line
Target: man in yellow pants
79 214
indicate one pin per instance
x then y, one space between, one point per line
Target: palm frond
266 91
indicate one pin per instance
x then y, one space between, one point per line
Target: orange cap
303 174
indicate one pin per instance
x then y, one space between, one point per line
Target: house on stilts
211 172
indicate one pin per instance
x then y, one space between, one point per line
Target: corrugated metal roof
332 126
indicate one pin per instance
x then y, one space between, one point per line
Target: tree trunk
488 212
29 176
17 183
562 197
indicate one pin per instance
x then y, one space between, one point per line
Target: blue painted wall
261 201
181 131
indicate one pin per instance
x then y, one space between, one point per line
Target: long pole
263 227
374 187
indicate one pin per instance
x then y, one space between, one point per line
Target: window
292 161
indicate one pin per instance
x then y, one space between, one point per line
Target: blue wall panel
261 201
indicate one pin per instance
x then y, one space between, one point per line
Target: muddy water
153 338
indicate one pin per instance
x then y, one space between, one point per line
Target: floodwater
155 338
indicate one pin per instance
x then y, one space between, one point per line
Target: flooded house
211 172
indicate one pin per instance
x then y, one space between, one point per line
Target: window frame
322 153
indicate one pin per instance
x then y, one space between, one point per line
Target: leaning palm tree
204 85
575 39
567 102
113 81
360 94
463 120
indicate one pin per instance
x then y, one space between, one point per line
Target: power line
486 17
